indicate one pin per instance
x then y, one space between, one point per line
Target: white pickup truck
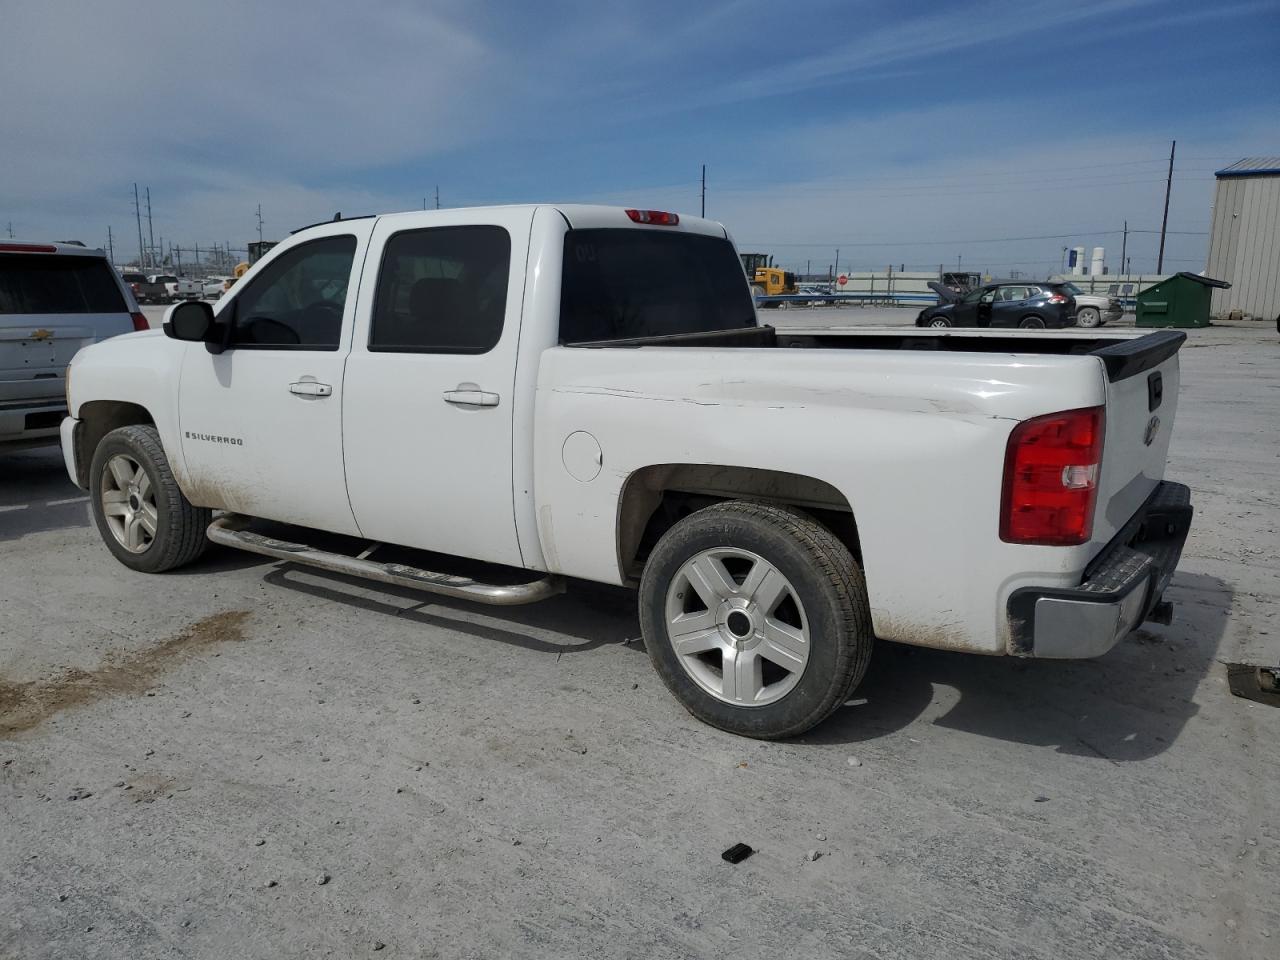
584 392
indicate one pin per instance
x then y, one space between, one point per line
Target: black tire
826 580
180 527
1088 317
938 322
1032 323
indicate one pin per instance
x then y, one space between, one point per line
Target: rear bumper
33 421
1121 589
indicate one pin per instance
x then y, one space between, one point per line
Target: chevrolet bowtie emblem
41 334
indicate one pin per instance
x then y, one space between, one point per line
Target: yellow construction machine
766 279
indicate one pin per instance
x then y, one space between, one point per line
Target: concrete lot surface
247 759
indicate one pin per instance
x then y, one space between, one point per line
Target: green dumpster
1178 301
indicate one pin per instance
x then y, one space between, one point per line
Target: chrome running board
229 531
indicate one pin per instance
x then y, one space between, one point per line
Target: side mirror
190 320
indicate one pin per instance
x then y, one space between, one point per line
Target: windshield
1072 289
623 283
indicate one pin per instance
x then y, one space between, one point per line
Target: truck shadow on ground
589 617
1130 704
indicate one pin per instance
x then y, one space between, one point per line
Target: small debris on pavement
737 853
378 944
322 879
62 898
270 883
821 838
855 762
813 855
259 842
1042 799
79 793
635 686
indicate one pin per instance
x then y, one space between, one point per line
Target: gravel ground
247 759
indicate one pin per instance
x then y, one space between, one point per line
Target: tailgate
1142 398
34 356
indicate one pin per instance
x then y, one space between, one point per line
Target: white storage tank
1096 266
1077 266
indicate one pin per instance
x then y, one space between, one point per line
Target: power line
920 243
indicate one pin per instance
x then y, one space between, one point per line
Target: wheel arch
97 419
655 497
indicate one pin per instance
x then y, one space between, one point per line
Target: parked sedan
1006 303
215 287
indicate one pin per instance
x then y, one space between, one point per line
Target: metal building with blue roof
1244 238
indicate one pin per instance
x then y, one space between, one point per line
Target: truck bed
1124 353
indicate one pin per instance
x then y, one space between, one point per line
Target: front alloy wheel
129 503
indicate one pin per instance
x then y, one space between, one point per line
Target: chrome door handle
471 398
309 388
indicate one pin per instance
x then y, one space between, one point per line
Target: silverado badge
42 334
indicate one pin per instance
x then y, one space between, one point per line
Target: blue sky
902 133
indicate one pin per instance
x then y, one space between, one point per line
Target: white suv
54 299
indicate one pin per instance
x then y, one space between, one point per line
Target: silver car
54 299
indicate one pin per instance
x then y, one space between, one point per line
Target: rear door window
623 283
442 290
57 283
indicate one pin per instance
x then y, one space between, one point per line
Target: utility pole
836 271
1124 244
10 229
959 257
806 267
424 203
151 237
259 223
1168 188
111 249
137 213
437 196
704 189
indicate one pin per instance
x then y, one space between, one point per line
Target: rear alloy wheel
1088 317
1031 323
939 322
756 618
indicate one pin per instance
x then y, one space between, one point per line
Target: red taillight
139 321
657 218
27 248
1051 468
1057 298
